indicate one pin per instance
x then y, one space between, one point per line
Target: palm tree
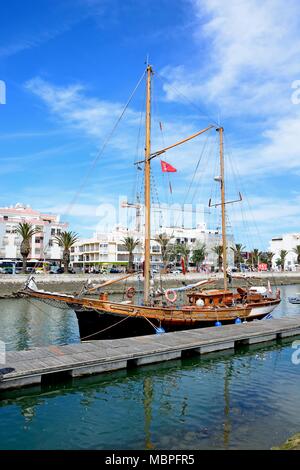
130 244
199 253
66 240
184 250
297 251
26 231
237 249
163 240
218 250
269 257
254 257
282 256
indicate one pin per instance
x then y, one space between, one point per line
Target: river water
243 400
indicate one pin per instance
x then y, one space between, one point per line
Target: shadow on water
217 401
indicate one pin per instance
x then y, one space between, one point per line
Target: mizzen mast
147 188
223 203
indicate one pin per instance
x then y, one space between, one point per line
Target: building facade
43 246
287 242
108 249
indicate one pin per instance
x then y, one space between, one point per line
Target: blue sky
70 66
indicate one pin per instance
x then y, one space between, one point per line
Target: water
247 400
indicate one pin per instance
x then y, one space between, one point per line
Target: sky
70 68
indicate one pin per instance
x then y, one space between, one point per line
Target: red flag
166 167
183 265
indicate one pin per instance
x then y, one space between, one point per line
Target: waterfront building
287 242
106 248
43 246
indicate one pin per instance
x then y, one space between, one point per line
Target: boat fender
159 330
218 323
171 295
277 293
130 292
238 321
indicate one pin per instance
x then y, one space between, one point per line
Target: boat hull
104 319
294 300
102 325
264 309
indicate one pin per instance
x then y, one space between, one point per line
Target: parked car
30 270
56 270
39 271
115 271
6 270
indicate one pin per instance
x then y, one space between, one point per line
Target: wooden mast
147 188
223 203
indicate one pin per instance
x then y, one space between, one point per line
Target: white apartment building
107 248
42 244
287 242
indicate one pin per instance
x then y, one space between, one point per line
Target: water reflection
29 323
221 401
215 402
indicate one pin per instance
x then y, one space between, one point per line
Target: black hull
100 325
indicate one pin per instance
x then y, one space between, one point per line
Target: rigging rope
105 143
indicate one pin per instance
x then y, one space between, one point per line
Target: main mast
223 203
147 188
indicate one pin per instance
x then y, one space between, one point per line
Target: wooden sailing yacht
202 307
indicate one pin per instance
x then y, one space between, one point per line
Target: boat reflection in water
213 402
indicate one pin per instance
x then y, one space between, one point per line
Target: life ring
173 295
130 292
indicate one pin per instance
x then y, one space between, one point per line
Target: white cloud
252 48
245 71
71 106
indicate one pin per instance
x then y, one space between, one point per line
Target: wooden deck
39 365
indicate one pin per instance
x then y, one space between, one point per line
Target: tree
199 253
66 240
297 251
183 250
164 241
254 257
218 250
269 257
26 231
237 249
282 256
130 244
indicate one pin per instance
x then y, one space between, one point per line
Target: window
5 217
53 231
